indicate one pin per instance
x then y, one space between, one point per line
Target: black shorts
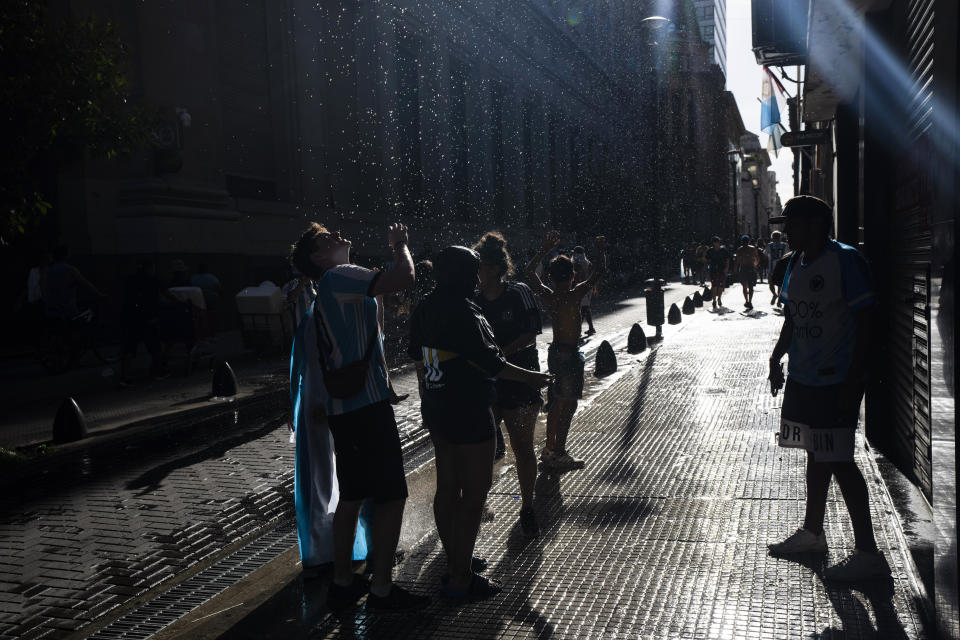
718 279
516 395
810 419
369 459
567 365
455 422
748 277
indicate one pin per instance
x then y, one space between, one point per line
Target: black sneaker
340 598
528 522
399 599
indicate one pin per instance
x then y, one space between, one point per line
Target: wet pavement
664 534
98 531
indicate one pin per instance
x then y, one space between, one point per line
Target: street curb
138 430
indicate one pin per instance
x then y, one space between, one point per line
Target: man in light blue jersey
829 312
353 390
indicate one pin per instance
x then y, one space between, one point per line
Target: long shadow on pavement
151 479
854 617
618 469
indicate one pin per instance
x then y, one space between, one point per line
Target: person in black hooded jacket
457 362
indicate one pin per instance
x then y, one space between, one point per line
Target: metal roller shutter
911 251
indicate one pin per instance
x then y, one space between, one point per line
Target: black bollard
697 299
69 425
637 340
688 307
224 381
707 294
673 316
606 361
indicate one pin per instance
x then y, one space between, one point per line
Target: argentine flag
770 113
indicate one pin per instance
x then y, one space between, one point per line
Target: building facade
457 119
758 189
712 19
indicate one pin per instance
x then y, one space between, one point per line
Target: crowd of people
472 337
154 312
746 264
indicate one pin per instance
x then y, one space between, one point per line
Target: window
408 124
458 135
499 169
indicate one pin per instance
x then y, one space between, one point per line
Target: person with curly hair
513 314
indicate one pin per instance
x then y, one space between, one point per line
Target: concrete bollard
224 380
673 317
606 360
697 299
707 294
688 307
637 340
69 425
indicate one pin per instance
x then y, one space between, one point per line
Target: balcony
780 31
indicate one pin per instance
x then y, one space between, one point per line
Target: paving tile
664 533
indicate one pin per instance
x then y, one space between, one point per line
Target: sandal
480 588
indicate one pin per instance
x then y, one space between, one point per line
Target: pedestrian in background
458 360
30 302
513 315
140 319
59 283
747 259
353 391
718 261
776 278
763 262
581 269
209 284
829 310
775 250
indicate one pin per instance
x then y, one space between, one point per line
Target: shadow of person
151 479
854 617
523 560
619 469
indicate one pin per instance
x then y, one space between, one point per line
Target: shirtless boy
562 301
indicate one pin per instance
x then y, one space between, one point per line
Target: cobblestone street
664 534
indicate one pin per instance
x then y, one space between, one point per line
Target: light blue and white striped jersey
348 322
302 303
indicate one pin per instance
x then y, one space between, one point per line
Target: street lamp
756 206
733 156
653 31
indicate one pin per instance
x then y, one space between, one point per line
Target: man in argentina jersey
828 309
369 462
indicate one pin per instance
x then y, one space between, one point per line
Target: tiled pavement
664 534
103 529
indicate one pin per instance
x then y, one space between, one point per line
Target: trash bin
654 296
261 317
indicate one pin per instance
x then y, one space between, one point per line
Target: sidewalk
102 526
664 534
31 397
